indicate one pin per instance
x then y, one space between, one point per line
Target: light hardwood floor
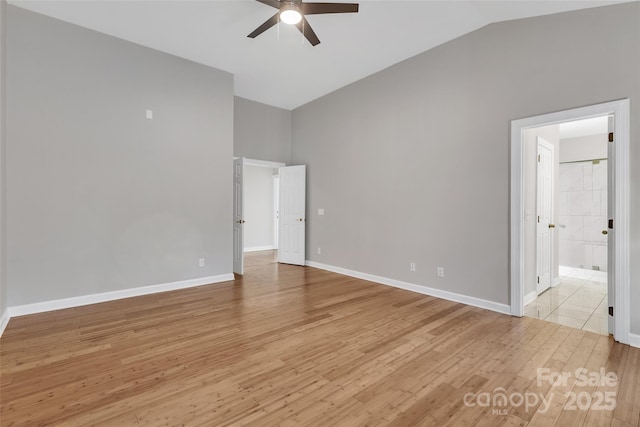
296 346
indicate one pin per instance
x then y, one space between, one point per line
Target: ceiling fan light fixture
290 15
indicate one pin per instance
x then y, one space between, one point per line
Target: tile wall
582 209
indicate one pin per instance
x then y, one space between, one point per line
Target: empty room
294 213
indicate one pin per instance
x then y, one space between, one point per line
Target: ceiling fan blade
272 3
264 27
318 8
305 28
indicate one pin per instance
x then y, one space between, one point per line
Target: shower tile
575 227
563 224
580 202
587 170
600 176
563 255
575 254
603 203
571 177
600 256
596 200
596 225
587 260
563 200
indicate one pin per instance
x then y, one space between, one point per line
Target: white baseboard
528 298
259 248
464 299
4 321
40 307
556 281
634 340
582 272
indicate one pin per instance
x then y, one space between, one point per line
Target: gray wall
261 131
99 198
3 27
550 134
415 163
584 148
258 206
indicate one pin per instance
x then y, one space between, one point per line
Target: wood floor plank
297 346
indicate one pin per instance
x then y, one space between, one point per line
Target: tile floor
579 302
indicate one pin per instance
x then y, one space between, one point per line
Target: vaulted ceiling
279 67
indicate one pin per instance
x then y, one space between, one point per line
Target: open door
292 193
611 235
544 224
238 221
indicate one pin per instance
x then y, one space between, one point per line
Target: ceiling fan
293 12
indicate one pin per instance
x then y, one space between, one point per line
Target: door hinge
538 158
610 224
610 136
538 279
610 311
538 218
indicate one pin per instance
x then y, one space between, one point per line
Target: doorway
269 206
571 224
615 300
254 199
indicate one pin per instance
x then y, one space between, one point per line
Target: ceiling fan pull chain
278 27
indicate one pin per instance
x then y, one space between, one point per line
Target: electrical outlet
201 262
440 272
412 266
319 251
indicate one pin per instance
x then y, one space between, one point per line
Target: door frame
276 211
620 109
255 162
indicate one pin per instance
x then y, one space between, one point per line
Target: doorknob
552 226
240 221
605 232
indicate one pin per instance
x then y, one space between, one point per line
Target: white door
238 221
291 241
611 235
544 224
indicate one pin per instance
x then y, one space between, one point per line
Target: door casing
620 109
238 206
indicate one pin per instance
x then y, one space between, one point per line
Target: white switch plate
149 114
412 266
320 211
440 272
319 251
201 262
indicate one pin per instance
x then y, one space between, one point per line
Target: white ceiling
279 67
586 127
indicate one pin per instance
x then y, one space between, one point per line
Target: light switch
149 114
320 211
